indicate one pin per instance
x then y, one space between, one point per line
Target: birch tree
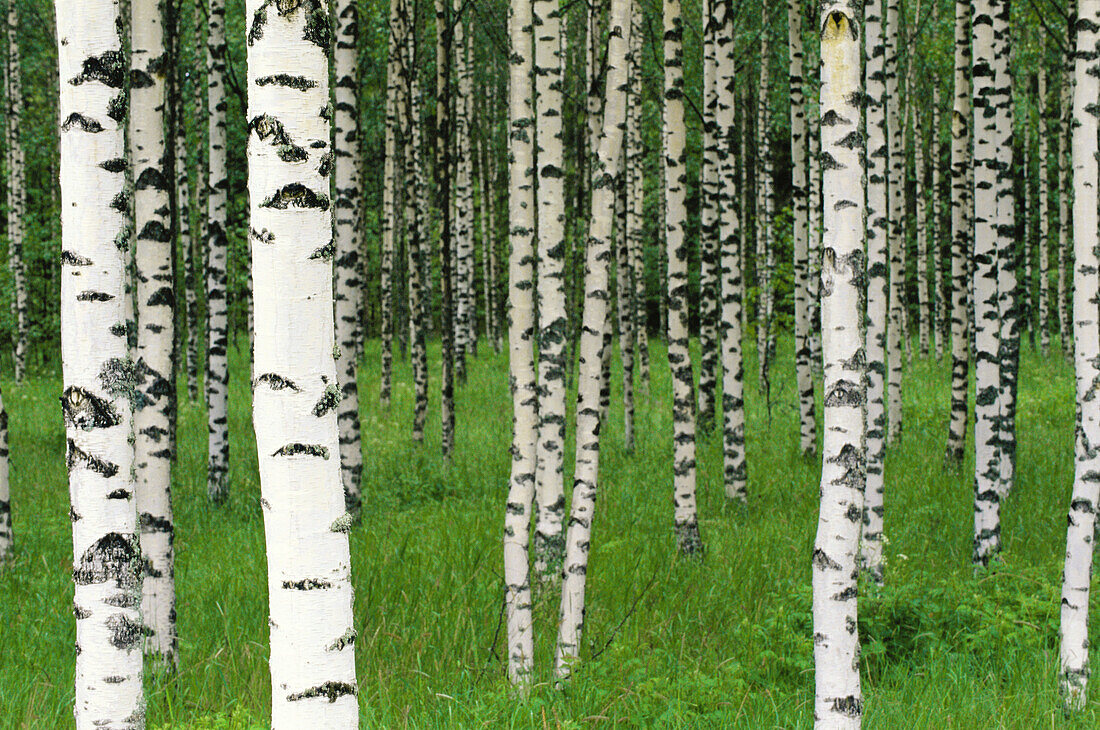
345 174
155 320
803 346
587 464
674 135
98 374
878 231
838 701
1077 574
389 208
962 229
734 467
296 396
16 191
896 217
708 231
521 342
462 247
1044 219
763 228
443 169
217 201
636 154
550 255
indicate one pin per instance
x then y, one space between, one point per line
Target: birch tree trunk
763 213
799 202
217 201
708 232
462 245
924 290
1065 187
16 191
345 175
552 322
814 291
389 208
1044 219
938 315
987 476
443 169
636 155
734 466
155 319
838 701
1077 574
679 352
98 374
587 464
962 231
878 260
296 397
521 342
896 206
1008 260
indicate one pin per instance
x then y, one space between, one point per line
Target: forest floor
722 642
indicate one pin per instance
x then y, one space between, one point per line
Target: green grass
720 643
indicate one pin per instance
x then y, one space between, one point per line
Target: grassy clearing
720 643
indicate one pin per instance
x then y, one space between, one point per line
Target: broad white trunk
552 325
521 343
16 190
587 457
734 468
1077 573
838 701
679 352
98 373
296 396
217 201
155 325
987 378
345 174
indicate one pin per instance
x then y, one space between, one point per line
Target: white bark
587 464
838 701
16 190
155 324
217 201
1077 573
97 370
295 391
1044 219
521 343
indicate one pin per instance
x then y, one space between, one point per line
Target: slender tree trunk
896 216
155 319
924 292
16 191
763 213
636 157
679 352
734 467
803 355
962 231
745 183
345 210
987 496
461 274
1077 574
443 170
7 535
552 321
939 316
194 251
814 205
217 201
1065 183
389 207
521 341
98 374
878 259
624 282
184 237
1008 257
586 469
296 397
838 701
708 231
1044 219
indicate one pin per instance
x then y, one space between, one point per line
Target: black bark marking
296 195
151 178
332 690
325 253
71 259
302 450
301 83
111 557
344 641
116 165
277 382
108 68
81 122
307 584
328 402
86 411
94 296
125 633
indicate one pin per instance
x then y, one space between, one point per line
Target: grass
720 643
